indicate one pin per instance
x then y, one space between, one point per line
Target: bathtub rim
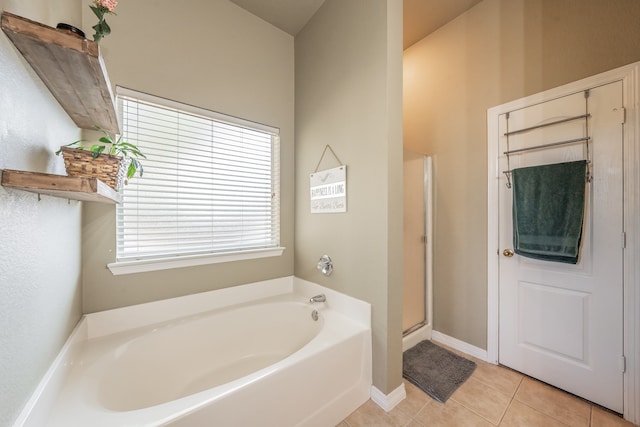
120 319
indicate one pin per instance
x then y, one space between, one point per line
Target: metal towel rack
585 139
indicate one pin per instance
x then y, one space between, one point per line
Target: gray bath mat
435 370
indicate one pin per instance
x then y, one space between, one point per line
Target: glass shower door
416 240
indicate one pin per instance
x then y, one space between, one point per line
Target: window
210 184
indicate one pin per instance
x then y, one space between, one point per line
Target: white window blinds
210 182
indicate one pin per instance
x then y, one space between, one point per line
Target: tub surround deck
77 387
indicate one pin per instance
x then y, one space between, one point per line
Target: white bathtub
243 356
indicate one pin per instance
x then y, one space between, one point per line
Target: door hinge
623 364
623 240
423 239
622 114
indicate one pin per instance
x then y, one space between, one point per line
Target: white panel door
562 323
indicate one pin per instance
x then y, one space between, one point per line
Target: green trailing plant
115 147
101 8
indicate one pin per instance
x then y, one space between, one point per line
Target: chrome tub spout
318 298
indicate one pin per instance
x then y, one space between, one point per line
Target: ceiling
421 17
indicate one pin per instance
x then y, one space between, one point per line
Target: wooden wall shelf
70 66
68 187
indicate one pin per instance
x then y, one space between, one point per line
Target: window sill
142 266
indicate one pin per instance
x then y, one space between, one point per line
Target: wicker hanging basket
107 168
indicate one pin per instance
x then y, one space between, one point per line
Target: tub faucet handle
318 298
325 265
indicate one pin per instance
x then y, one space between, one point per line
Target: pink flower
107 4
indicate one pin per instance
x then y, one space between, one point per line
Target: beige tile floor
492 396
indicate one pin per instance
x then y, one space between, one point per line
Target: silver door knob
508 253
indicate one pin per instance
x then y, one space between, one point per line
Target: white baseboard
388 401
424 333
462 346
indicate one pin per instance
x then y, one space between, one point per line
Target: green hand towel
548 211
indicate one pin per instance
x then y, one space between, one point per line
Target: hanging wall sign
329 190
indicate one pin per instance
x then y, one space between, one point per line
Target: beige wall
214 55
498 51
40 290
348 95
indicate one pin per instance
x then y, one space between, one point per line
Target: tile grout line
513 397
471 409
553 417
413 417
578 398
480 415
